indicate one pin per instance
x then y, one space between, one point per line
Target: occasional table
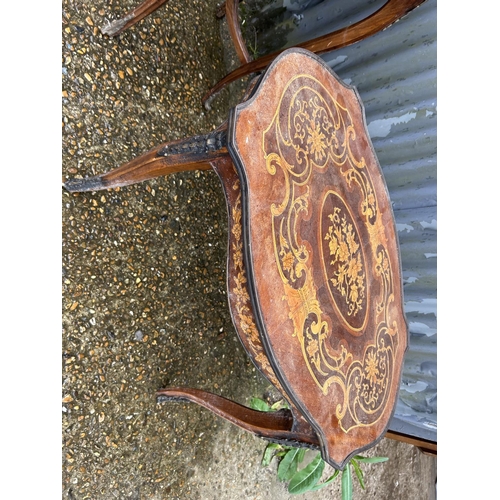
314 275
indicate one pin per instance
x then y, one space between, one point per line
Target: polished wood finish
240 304
194 153
388 14
313 273
425 446
235 31
132 17
276 426
322 256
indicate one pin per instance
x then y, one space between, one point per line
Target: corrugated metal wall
395 74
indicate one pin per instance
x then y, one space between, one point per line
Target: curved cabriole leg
130 18
233 24
276 426
388 14
194 153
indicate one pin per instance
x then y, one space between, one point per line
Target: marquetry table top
320 249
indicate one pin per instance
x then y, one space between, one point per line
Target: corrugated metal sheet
395 74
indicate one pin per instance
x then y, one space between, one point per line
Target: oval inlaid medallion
343 261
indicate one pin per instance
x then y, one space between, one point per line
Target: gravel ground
144 293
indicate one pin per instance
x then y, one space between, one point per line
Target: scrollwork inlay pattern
310 133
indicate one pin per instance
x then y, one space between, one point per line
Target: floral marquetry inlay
348 277
238 286
344 264
321 247
310 140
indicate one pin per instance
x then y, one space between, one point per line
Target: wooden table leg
388 14
233 23
132 17
276 426
194 153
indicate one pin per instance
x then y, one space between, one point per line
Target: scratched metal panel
395 74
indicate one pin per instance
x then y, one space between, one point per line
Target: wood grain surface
321 251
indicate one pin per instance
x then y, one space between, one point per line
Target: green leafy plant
301 480
261 405
253 47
